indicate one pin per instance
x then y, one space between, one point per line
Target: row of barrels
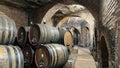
15 57
43 34
39 33
45 56
36 50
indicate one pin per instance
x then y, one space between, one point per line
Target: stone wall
17 14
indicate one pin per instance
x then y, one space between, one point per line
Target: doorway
104 53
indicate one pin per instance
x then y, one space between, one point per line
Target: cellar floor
80 58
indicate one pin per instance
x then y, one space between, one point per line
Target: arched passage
104 53
61 13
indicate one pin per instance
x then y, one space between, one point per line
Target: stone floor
80 58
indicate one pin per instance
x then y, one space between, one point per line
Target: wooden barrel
11 57
71 38
22 35
28 53
51 56
68 39
7 30
40 33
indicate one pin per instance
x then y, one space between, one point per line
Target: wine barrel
22 35
7 30
71 37
51 56
28 53
11 57
40 33
68 39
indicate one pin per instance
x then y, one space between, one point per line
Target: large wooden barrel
68 39
28 53
51 56
40 33
7 30
71 37
11 57
22 35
